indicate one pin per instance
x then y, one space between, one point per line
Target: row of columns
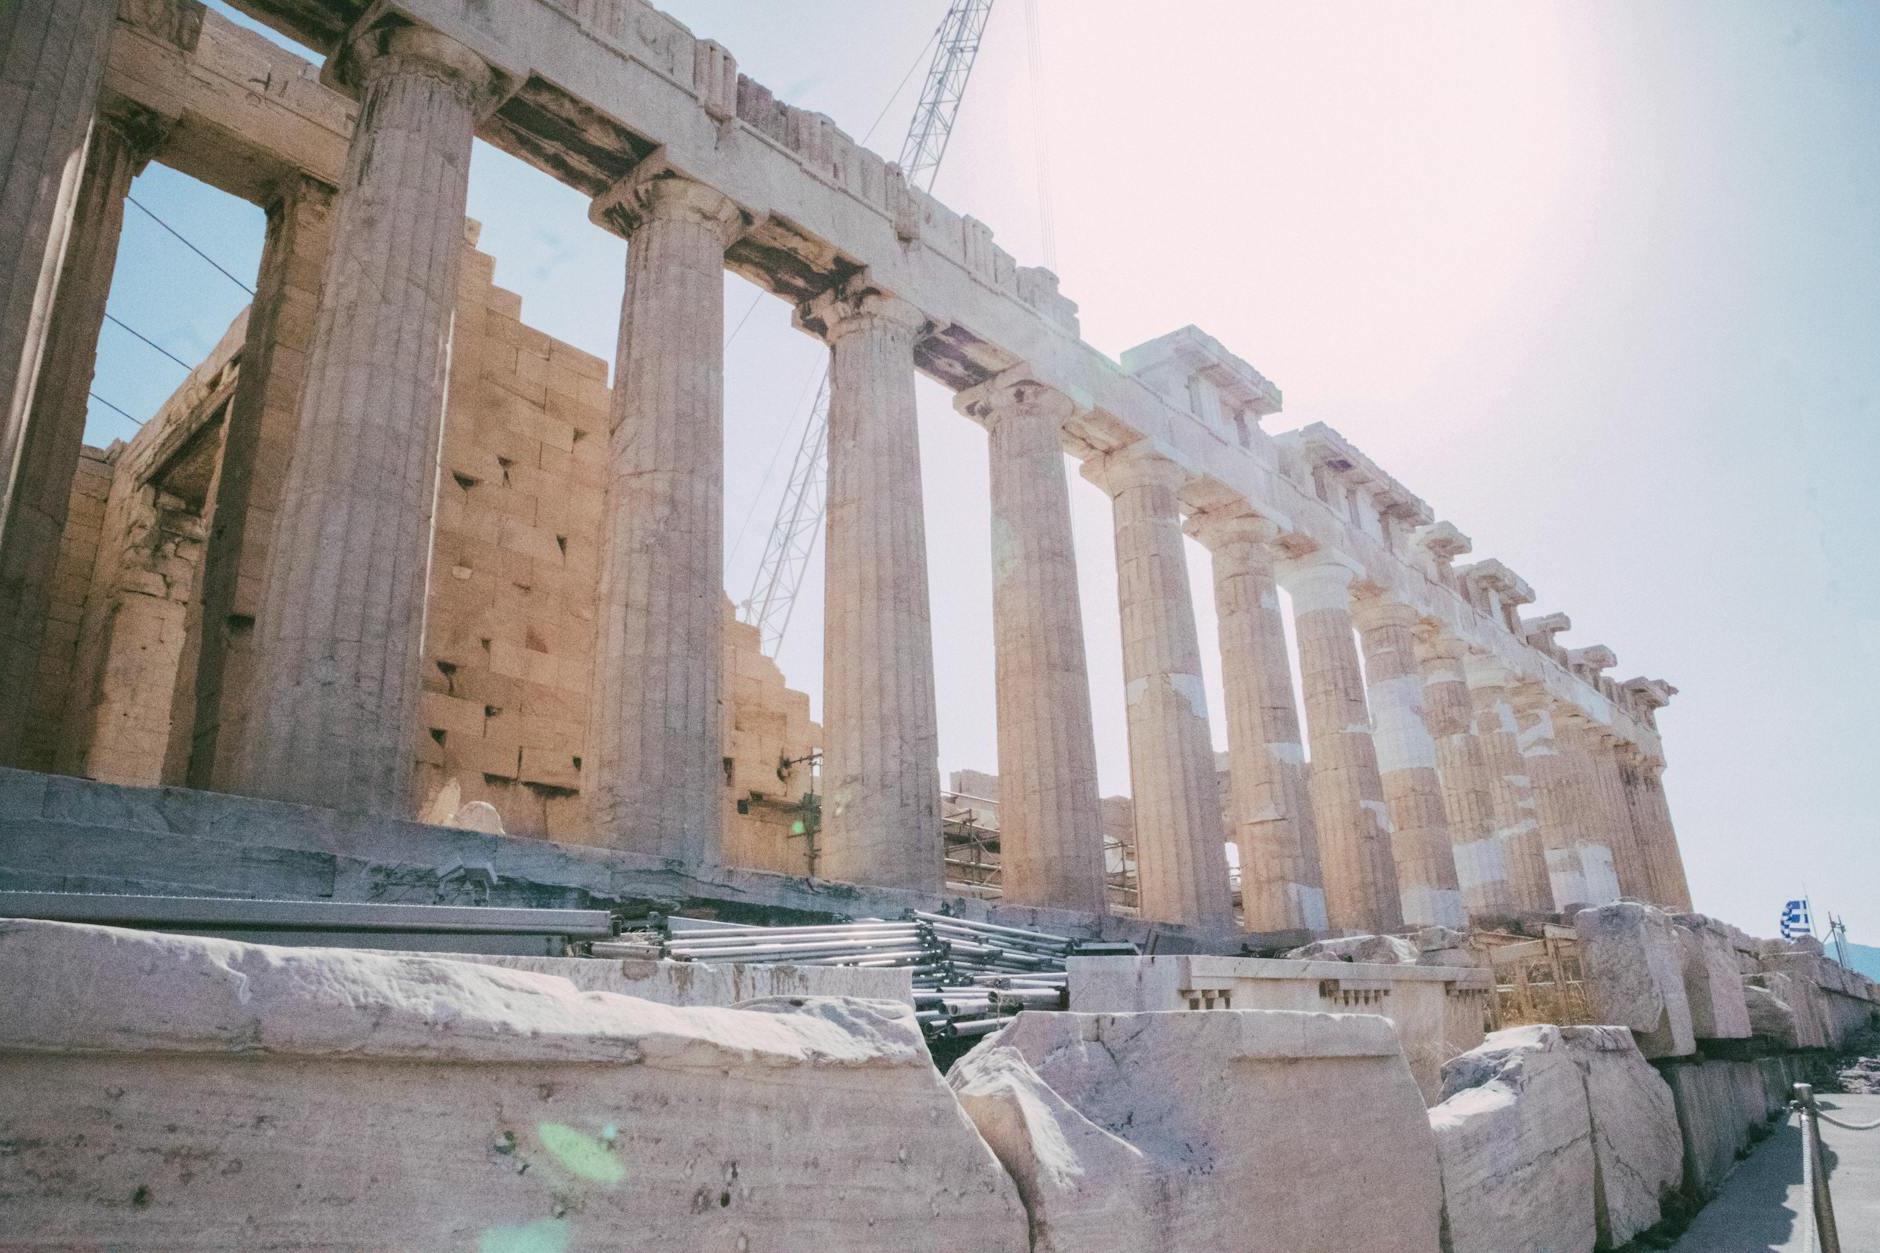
1436 789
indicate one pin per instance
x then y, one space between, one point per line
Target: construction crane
800 515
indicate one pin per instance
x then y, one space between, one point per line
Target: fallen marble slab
1516 1145
1638 1157
1634 963
167 1091
1264 1130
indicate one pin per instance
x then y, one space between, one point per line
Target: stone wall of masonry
566 658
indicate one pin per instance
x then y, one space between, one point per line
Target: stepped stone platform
63 834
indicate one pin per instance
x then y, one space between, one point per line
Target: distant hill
1863 957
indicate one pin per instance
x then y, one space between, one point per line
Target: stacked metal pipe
968 976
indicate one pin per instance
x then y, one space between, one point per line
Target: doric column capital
1435 646
654 191
854 305
1373 613
1318 580
1233 527
1135 465
142 130
1544 628
1486 672
1015 393
397 47
1530 696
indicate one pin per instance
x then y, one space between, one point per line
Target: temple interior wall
509 614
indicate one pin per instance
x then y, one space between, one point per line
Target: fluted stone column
1562 799
245 497
1280 884
1652 818
1634 882
1511 791
55 428
653 771
1050 824
881 739
52 57
1578 748
342 616
1468 786
1348 804
1406 763
1181 860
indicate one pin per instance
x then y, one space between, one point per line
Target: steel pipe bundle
968 976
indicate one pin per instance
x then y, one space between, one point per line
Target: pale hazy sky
1600 281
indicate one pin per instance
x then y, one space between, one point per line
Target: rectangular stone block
1515 1140
1712 981
1717 1109
1634 964
1199 1131
205 1093
1638 1155
1436 1011
1802 999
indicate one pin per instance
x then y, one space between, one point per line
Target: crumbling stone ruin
399 600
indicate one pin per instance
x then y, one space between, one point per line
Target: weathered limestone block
1083 1188
1711 980
1779 1077
1380 949
1769 1019
1436 1011
395 1101
1793 995
1445 946
1638 1157
1635 966
1811 975
1516 1144
1224 1108
1718 1104
698 983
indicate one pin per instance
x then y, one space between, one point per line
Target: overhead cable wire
756 299
114 409
185 242
153 343
1041 146
919 57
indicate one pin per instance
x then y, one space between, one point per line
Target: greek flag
1795 920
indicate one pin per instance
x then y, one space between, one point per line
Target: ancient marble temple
391 549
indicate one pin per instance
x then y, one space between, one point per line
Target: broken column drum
1406 760
1181 861
1050 823
1280 884
342 618
881 739
1347 793
653 772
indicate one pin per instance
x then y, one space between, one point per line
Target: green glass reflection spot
582 1155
